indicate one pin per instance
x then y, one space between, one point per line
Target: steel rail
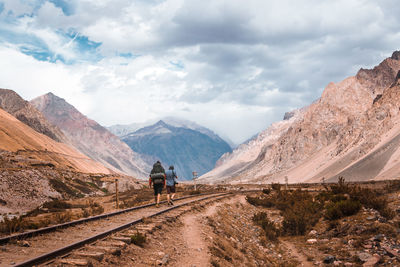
64 250
19 236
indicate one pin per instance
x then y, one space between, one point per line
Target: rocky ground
26 182
221 234
224 234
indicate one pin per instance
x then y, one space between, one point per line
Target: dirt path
295 253
196 252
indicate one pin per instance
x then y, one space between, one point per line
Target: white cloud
231 66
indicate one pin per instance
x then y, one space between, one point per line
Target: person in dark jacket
171 181
157 178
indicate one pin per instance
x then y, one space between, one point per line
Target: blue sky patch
1 7
41 54
177 64
67 9
83 43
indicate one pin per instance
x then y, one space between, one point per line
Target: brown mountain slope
11 102
34 168
91 138
18 137
346 132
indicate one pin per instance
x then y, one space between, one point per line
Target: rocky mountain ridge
24 111
344 125
91 138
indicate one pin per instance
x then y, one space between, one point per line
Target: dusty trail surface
215 234
195 251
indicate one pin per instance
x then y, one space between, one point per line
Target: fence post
116 193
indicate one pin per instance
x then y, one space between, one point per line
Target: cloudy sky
234 66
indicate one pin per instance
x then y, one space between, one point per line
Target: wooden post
194 179
116 193
286 182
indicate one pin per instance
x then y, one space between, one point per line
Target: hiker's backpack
157 178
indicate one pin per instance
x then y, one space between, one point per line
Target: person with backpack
171 181
157 178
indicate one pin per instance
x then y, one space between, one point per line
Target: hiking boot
157 205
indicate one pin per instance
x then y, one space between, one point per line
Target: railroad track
89 239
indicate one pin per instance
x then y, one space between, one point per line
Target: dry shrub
95 208
85 213
393 186
138 239
62 188
56 205
9 226
276 187
298 208
266 191
382 228
271 232
62 217
372 199
259 201
194 192
340 188
301 217
341 209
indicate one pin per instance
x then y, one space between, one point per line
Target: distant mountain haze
122 130
188 147
91 138
351 131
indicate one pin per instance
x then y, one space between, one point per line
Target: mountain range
34 165
186 145
91 138
352 131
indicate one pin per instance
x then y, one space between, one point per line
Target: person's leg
155 193
173 192
158 198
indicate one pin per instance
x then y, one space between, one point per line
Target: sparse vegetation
62 188
271 232
266 191
9 226
301 210
194 192
342 208
138 239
